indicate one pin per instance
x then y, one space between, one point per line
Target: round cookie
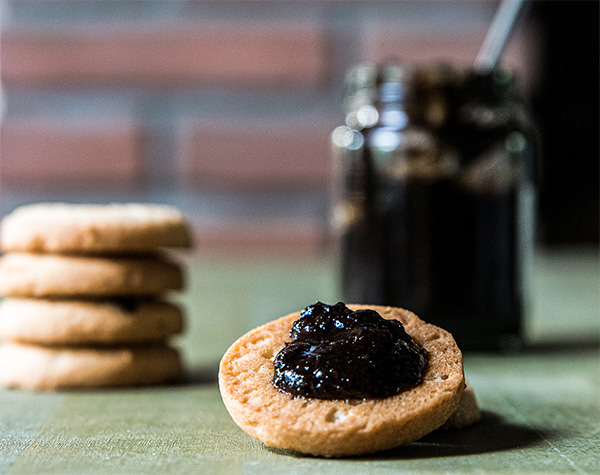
467 413
76 229
48 275
44 368
62 322
336 428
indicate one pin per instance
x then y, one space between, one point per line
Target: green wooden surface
541 407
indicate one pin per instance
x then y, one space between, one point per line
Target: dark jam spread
337 353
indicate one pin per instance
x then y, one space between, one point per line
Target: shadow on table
491 434
206 374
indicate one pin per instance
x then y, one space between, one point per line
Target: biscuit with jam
60 228
79 322
338 427
52 368
56 276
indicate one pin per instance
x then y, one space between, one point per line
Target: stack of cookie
83 289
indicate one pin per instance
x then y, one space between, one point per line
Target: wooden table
541 406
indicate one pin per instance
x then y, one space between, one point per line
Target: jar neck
391 105
437 97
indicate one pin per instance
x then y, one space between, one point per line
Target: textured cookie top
44 368
335 428
81 322
67 276
74 229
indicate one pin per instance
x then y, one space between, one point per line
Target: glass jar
434 198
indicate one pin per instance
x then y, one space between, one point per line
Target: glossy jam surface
337 353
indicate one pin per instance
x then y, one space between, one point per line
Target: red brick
258 55
262 155
50 155
295 236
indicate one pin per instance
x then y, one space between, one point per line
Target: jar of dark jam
434 198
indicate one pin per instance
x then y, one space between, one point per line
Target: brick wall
222 108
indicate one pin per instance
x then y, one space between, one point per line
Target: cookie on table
74 229
335 428
65 322
47 368
467 413
52 275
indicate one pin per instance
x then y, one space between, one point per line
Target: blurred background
224 109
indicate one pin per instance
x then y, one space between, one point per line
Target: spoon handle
497 35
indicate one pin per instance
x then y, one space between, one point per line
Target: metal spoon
497 35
